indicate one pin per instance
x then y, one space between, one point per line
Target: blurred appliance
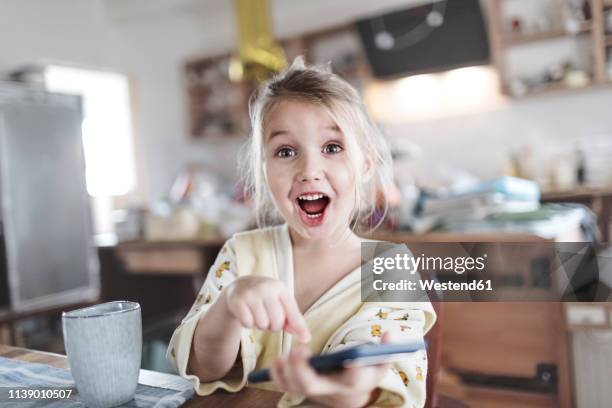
47 256
428 38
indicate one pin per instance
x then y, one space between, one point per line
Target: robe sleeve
404 383
221 274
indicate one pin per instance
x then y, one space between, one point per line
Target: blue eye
333 148
285 152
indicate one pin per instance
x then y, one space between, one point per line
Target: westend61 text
433 285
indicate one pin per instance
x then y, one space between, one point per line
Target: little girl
278 294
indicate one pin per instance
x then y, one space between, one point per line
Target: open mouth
313 205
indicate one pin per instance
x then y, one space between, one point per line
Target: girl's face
308 170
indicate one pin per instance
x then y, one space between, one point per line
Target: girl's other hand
352 387
265 303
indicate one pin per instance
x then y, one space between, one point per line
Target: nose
310 166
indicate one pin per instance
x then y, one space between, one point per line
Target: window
107 126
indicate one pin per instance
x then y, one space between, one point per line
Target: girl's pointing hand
265 303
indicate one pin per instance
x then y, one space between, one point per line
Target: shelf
521 39
553 88
590 33
560 87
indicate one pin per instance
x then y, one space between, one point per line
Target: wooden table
249 397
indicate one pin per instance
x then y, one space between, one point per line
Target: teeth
310 197
314 215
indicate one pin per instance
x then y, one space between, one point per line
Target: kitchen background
163 125
151 41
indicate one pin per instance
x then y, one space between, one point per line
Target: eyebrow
333 128
277 133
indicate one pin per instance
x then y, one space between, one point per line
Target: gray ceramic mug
104 348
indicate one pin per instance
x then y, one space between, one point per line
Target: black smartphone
366 354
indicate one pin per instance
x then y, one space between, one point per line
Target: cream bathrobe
337 319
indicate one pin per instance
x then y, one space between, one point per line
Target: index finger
295 322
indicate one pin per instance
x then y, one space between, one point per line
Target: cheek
343 179
276 179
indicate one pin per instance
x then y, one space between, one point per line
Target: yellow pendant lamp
259 55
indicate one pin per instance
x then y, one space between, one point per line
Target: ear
369 168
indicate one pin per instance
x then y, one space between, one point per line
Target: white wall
551 127
151 39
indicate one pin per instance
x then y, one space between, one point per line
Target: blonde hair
342 102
